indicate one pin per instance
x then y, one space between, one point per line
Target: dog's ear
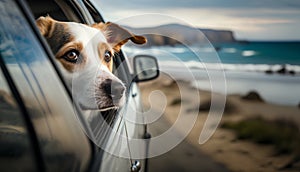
118 36
45 25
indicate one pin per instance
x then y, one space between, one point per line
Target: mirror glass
146 67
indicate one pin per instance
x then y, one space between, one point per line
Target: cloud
248 19
146 4
214 17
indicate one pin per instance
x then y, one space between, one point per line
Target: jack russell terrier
84 54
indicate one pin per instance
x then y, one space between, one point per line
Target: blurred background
252 49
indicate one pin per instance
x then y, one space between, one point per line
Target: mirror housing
145 68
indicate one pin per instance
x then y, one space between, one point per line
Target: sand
223 150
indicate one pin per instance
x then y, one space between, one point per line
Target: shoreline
223 146
242 82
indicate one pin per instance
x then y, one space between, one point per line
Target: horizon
263 20
201 28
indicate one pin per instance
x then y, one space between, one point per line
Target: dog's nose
113 88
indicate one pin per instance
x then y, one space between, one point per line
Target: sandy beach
224 151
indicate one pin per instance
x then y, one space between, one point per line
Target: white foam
248 53
172 61
230 67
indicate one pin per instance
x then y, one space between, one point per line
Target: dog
84 54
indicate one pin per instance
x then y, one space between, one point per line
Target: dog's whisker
102 132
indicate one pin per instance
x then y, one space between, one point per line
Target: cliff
173 34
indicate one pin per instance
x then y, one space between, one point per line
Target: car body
40 128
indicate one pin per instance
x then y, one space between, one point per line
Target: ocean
260 53
270 68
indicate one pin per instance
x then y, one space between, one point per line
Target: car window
59 10
16 151
94 127
62 141
101 124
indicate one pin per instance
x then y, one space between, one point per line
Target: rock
252 96
269 71
292 72
282 70
218 48
173 34
206 106
218 35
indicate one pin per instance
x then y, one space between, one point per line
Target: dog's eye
71 56
107 56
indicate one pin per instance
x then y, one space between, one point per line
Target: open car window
67 11
104 126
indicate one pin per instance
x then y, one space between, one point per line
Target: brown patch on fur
118 36
102 47
61 41
45 25
60 36
69 66
100 26
69 46
56 33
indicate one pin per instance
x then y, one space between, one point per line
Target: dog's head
85 55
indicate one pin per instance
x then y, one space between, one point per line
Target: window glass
16 152
62 141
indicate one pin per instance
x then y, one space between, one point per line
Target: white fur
86 81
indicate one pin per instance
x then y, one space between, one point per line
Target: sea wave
248 53
266 68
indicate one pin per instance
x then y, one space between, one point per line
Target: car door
39 129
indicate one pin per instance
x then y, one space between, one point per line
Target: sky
249 19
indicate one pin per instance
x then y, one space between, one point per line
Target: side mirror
145 68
